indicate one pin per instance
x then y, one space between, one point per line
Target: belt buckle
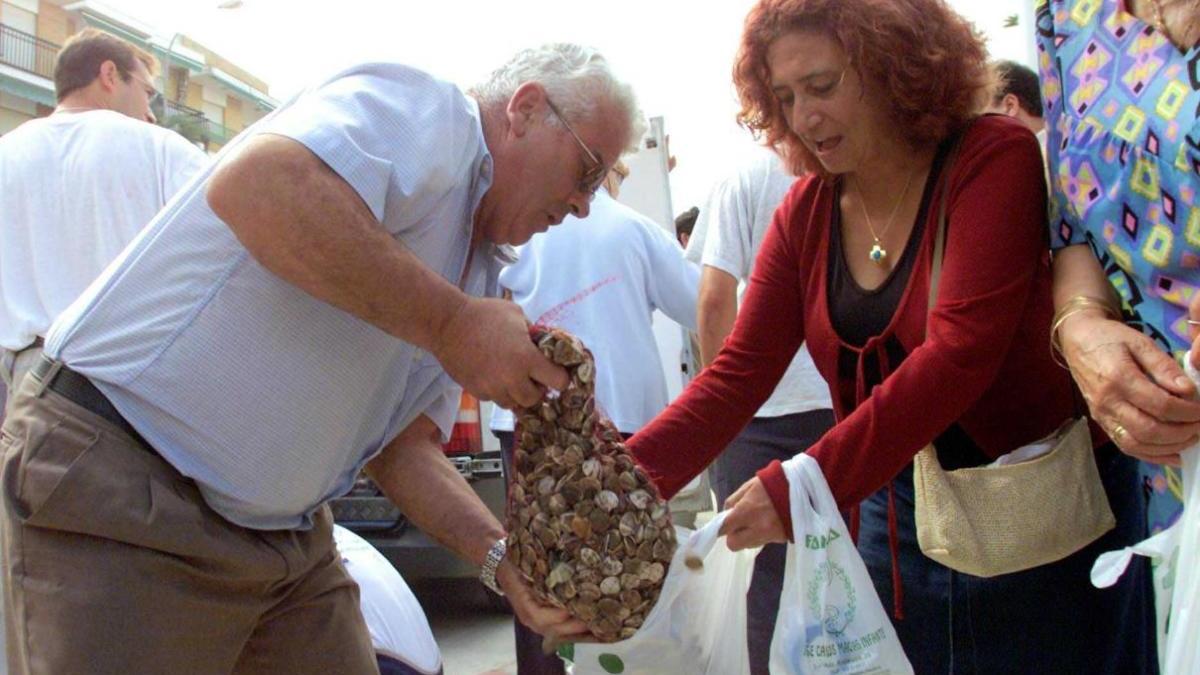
44 371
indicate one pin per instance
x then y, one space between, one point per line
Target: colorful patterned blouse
1122 105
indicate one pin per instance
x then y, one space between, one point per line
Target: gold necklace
878 253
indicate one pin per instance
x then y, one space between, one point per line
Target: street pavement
475 638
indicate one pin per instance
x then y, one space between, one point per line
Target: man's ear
526 106
109 76
1011 104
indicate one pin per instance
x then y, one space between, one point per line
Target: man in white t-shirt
729 231
75 187
601 278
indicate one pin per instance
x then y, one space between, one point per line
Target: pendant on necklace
877 254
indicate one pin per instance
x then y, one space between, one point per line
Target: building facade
207 98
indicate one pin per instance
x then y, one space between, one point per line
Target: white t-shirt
601 278
732 226
74 190
394 617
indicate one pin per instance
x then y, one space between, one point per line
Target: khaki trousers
113 563
13 368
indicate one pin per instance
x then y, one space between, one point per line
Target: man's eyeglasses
593 175
152 94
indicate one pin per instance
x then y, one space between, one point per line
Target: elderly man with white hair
305 310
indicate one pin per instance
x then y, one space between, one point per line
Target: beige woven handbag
990 520
987 521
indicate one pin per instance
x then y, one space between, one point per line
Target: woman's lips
828 145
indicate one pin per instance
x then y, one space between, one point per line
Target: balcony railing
191 122
27 52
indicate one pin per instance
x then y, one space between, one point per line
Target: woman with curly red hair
867 98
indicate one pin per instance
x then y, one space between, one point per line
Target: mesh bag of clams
586 526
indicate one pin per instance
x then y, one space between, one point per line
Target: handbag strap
939 237
935 269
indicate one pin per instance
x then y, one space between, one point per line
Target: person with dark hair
75 187
685 223
1018 94
97 61
873 103
736 216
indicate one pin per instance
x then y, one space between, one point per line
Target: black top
858 314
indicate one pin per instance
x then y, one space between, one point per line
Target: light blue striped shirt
271 400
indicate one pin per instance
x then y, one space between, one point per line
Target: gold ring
1118 433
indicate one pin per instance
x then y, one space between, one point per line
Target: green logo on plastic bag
566 651
831 596
611 663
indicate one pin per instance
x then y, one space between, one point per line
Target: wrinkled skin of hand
554 623
485 347
1130 383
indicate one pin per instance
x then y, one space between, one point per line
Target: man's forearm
308 226
417 477
716 312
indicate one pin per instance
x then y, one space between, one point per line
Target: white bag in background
698 625
1176 551
830 617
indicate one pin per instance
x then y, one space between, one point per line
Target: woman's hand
752 520
1134 390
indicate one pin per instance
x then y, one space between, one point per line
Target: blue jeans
1049 619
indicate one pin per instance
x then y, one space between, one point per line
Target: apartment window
17 17
214 113
14 50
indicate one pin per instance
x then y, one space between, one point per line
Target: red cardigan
985 364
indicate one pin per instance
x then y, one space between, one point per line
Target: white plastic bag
1177 553
698 625
830 617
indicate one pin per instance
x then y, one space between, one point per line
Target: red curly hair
928 61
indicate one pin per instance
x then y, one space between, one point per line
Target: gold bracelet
1075 305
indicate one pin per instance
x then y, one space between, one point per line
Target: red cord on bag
894 545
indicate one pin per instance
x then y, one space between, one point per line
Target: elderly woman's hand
752 520
1134 389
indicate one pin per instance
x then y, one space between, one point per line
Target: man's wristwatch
487 573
